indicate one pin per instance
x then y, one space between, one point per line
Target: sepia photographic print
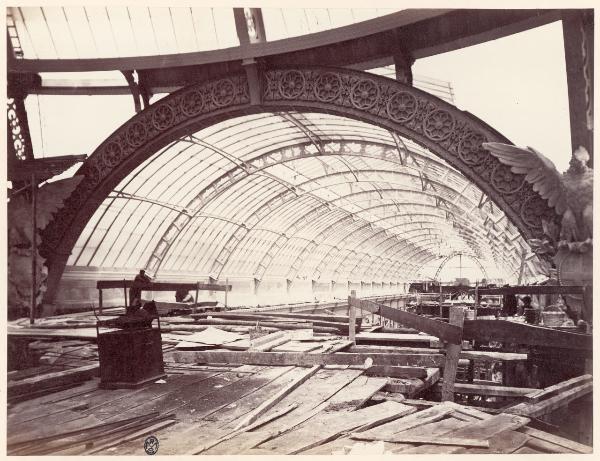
277 228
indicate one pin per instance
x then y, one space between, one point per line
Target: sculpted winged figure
570 194
51 197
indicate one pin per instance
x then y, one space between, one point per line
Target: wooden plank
311 398
557 440
437 428
70 430
86 438
265 319
340 346
393 339
103 444
482 429
329 426
502 443
544 407
347 401
208 419
280 326
298 315
548 447
370 349
457 317
352 316
355 395
488 356
396 372
261 422
276 339
59 378
302 359
386 431
411 387
528 451
441 330
441 440
521 333
434 428
161 286
275 399
292 346
539 394
498 391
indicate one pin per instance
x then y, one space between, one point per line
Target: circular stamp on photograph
151 445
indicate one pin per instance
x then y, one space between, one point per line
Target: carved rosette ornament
438 125
223 93
364 94
112 154
505 181
136 134
192 103
163 117
402 107
328 87
470 149
291 84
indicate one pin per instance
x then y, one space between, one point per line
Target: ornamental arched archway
454 135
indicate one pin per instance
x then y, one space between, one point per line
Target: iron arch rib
454 135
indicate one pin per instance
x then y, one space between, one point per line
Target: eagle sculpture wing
538 170
51 198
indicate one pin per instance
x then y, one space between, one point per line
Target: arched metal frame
454 255
444 130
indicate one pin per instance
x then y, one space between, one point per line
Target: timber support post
457 317
352 316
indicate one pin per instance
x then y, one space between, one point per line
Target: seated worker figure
135 293
183 296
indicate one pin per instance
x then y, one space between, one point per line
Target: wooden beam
521 333
305 359
273 318
497 391
279 325
444 331
555 439
540 394
411 387
160 286
547 406
35 383
438 440
352 317
299 315
396 372
490 356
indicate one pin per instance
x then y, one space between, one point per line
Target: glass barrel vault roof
300 195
